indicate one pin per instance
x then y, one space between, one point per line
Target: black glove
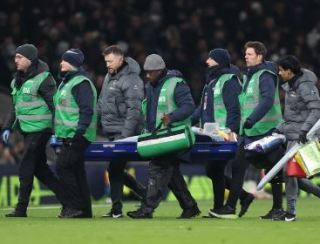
77 137
276 131
303 137
247 124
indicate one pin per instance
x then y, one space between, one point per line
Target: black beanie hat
221 56
74 57
28 50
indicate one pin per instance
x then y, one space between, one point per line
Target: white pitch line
50 207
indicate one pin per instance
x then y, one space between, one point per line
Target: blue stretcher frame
106 151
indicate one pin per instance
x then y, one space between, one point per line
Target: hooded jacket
302 105
46 90
119 103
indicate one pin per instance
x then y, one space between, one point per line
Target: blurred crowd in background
182 31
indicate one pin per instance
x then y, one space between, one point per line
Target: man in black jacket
33 88
75 123
220 104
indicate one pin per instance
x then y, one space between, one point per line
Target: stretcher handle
159 127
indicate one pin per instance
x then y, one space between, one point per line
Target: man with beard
119 107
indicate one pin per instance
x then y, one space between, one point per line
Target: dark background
182 31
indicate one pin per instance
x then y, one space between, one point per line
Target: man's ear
260 57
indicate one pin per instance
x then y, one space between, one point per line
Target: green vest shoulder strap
38 79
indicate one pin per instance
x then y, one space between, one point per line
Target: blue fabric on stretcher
202 150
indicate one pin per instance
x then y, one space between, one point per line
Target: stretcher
201 150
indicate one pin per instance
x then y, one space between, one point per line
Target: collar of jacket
70 74
162 77
294 82
216 72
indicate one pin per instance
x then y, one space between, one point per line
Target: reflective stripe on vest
219 111
249 100
166 103
32 112
67 110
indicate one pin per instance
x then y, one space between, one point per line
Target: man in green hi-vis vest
32 93
75 123
260 115
220 104
168 101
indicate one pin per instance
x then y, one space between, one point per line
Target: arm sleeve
230 93
47 90
195 117
84 97
310 95
10 118
267 85
100 99
184 102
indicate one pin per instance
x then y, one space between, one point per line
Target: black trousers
240 165
119 177
34 163
220 181
165 172
72 174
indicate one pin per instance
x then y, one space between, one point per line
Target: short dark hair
113 49
290 62
258 47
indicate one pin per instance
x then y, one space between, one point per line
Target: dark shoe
71 213
140 213
273 213
226 212
288 217
86 215
245 204
190 213
116 214
16 214
209 216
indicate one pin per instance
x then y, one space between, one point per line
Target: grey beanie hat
154 62
28 50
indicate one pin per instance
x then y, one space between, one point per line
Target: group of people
248 104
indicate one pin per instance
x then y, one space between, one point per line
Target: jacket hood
131 67
174 73
270 66
42 66
308 75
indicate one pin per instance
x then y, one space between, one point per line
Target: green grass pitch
42 226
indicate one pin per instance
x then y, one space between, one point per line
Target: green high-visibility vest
250 98
166 103
219 112
67 110
31 110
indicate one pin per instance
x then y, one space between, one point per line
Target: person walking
75 123
260 115
33 88
168 102
301 112
119 107
220 104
